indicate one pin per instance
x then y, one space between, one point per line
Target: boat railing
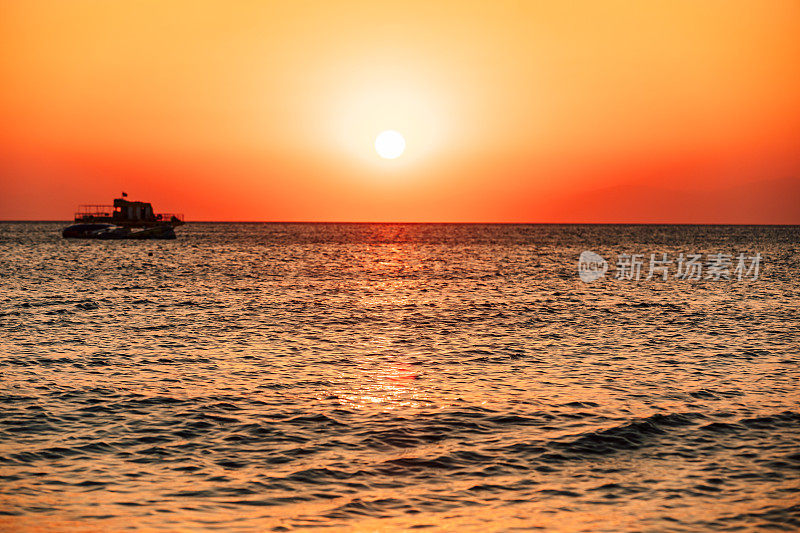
93 213
88 211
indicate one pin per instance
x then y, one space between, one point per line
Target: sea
397 377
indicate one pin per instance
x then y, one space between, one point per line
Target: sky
660 111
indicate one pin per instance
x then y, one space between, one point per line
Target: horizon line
449 223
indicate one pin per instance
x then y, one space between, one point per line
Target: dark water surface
381 377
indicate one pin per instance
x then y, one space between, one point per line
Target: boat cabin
125 210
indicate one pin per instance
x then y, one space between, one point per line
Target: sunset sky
673 111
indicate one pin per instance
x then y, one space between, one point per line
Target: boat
84 231
156 232
121 220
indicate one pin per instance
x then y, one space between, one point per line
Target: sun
390 144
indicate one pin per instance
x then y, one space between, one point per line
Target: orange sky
673 111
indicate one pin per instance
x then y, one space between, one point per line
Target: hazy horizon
765 202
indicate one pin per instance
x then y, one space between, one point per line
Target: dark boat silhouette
121 220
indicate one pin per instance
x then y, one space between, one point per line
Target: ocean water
256 377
